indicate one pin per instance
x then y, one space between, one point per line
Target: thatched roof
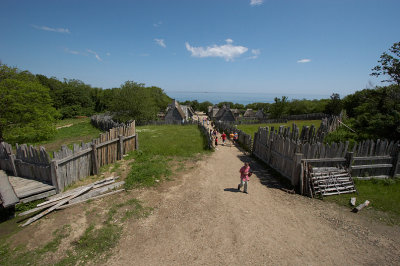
249 113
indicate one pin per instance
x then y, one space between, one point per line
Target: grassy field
383 195
161 147
251 129
70 131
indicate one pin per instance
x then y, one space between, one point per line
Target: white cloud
160 42
71 51
157 24
256 53
256 2
226 51
95 54
304 60
60 30
108 54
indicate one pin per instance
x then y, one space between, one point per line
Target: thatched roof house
175 113
212 111
225 114
249 113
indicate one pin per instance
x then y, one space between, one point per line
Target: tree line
30 104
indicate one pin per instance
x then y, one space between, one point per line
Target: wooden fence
68 166
286 154
206 133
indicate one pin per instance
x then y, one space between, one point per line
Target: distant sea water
238 97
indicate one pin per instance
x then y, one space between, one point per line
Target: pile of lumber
75 196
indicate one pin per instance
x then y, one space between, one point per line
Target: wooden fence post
395 167
296 171
54 177
349 160
12 162
95 162
120 150
254 142
136 141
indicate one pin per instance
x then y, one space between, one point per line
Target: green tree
26 111
133 101
334 105
280 107
389 65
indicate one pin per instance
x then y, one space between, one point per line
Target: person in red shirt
223 136
245 173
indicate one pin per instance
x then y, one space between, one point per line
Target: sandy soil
200 218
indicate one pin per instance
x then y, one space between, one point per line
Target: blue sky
312 47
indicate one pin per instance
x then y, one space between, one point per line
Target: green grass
94 245
80 131
251 129
159 145
21 256
383 195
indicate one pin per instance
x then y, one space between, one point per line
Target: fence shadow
267 176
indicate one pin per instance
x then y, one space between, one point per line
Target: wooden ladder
326 181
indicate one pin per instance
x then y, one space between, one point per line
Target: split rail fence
69 165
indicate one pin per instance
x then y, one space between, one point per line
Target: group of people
234 137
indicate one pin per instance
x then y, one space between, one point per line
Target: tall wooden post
349 160
395 163
95 162
136 141
120 151
54 177
12 162
296 171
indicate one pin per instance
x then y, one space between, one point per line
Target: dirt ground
200 218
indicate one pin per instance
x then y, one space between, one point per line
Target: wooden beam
40 215
372 166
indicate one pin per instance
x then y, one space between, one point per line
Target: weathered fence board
69 165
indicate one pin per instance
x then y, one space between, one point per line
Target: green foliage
279 108
257 106
134 101
334 105
383 194
375 113
26 112
389 65
203 106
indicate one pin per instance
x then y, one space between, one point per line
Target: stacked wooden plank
326 181
72 197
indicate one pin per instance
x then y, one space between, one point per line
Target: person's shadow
232 189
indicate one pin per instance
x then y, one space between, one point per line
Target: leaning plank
38 196
99 191
40 215
7 194
96 184
93 198
47 204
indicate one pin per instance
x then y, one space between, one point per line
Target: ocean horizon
238 97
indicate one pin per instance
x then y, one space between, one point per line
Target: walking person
223 136
245 173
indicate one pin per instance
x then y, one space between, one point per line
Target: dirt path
201 218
